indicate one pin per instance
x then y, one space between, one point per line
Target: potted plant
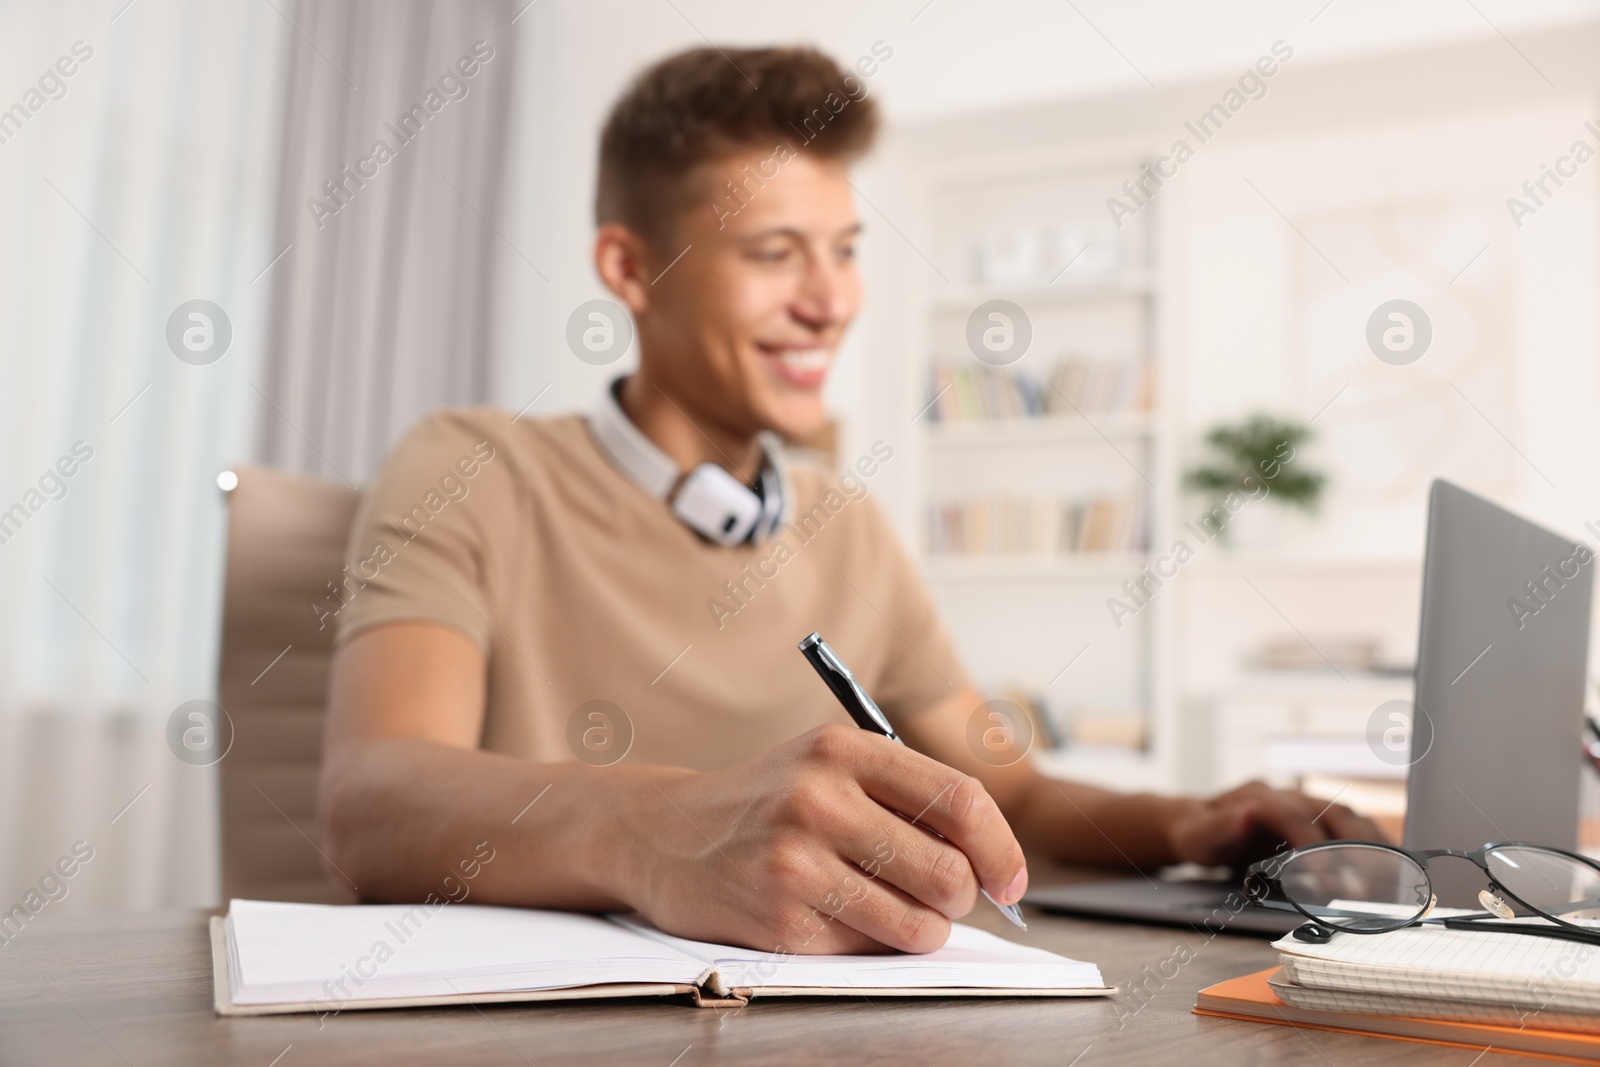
1258 458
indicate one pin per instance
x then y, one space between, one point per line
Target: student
507 574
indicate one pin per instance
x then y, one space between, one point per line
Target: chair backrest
286 540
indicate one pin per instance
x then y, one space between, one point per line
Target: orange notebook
1251 998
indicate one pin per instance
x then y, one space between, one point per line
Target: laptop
1502 661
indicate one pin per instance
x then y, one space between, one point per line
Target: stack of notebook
1427 983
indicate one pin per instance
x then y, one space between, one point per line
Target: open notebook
272 958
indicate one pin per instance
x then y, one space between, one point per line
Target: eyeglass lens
1555 884
1357 887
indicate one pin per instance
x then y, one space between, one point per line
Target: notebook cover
1250 998
753 992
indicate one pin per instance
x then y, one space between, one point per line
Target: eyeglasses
1366 887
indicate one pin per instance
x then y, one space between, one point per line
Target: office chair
286 539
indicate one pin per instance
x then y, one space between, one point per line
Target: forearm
1078 823
1068 821
401 816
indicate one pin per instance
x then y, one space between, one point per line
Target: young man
527 593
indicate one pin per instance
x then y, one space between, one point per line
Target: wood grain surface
136 989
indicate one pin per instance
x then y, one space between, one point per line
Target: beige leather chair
286 537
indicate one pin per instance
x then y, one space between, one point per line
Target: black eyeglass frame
1261 879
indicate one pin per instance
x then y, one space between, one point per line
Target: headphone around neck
708 499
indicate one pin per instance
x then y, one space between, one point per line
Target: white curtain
383 303
137 172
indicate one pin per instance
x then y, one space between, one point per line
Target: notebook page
342 953
971 958
1432 961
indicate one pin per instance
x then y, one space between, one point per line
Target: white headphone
708 499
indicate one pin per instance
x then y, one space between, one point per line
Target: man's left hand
1255 820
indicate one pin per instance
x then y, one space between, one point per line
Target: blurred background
1116 253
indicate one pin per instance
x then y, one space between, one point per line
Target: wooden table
136 989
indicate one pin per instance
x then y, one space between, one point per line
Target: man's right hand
826 844
802 849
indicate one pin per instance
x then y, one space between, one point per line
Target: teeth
805 360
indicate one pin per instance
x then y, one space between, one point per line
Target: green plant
1255 452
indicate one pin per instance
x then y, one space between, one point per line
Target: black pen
869 716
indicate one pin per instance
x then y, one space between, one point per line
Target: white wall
1503 402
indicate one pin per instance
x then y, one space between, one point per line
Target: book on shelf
962 392
1294 651
1011 525
1102 727
1031 705
1108 728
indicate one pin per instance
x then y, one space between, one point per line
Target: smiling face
741 330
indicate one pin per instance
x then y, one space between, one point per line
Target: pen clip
861 694
865 704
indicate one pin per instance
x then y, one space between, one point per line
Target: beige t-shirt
581 588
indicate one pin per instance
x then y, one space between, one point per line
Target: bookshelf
1030 614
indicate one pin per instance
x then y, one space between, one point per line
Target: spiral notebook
275 958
